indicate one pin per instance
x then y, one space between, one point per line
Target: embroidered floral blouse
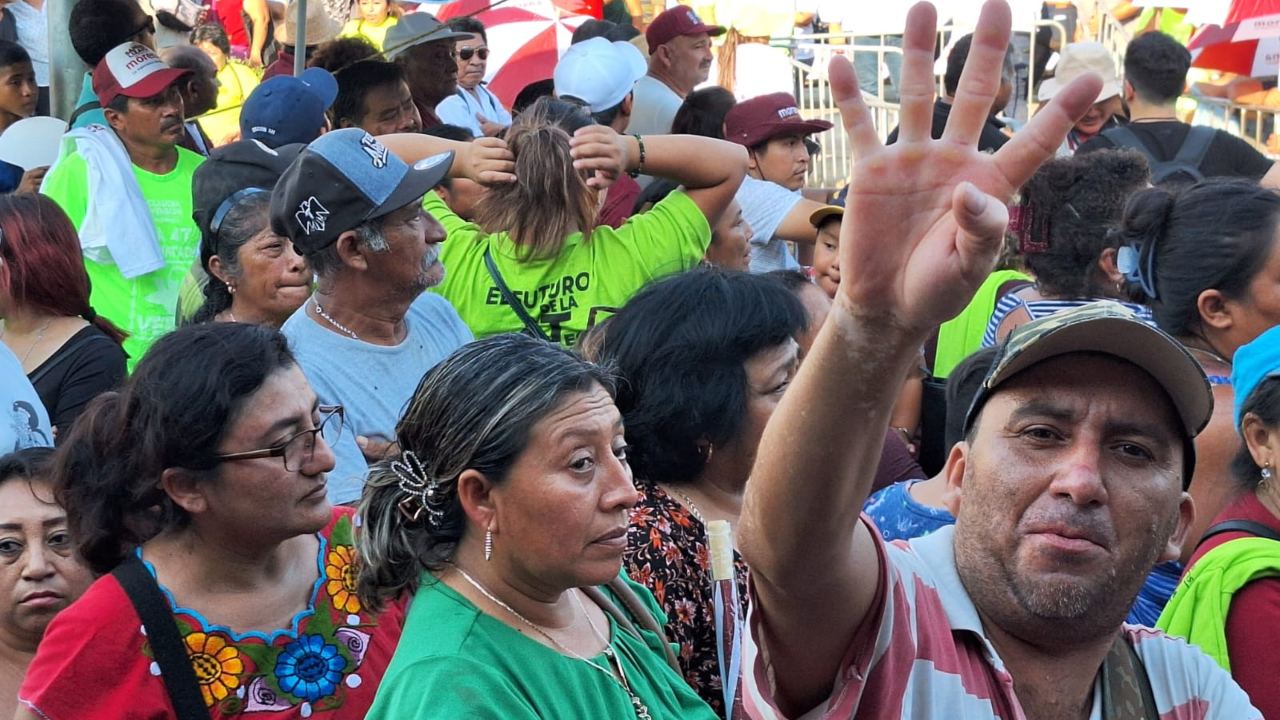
667 552
94 660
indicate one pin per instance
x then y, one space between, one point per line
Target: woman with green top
537 236
505 515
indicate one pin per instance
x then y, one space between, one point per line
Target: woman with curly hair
1064 229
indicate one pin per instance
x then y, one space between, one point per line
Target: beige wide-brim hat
320 27
1079 59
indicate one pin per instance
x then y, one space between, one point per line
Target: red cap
679 20
765 117
132 70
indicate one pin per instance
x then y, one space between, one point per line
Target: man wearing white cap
599 75
1077 60
127 188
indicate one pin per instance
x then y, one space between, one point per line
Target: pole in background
66 69
300 42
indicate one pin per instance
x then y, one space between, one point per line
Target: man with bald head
199 91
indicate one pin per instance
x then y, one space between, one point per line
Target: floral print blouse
95 661
667 552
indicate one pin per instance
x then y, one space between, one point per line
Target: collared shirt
990 140
461 107
922 653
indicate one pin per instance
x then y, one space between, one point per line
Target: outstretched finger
853 111
1040 139
918 84
982 220
980 80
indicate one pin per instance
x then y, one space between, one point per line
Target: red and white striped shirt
924 656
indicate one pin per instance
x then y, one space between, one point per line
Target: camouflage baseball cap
1111 329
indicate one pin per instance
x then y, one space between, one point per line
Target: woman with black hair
704 357
1063 226
1207 260
1228 600
40 574
203 480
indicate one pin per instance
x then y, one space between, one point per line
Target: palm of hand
925 218
910 193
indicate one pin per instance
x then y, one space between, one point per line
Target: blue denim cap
1252 364
284 109
342 179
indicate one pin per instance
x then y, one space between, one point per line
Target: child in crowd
826 251
376 18
18 95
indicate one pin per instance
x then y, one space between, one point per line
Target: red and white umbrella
526 37
1248 43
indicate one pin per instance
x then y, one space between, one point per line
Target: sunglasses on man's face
466 53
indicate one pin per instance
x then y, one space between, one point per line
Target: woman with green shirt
565 273
505 516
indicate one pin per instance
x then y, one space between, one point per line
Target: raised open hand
925 218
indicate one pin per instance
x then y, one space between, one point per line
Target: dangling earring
231 288
1266 474
488 545
709 449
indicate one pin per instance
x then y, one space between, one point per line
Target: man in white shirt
679 59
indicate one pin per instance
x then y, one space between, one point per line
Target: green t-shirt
582 286
143 306
455 662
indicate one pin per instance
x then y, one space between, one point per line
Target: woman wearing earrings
506 516
1238 559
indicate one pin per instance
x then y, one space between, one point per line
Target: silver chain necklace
320 311
642 712
689 503
39 336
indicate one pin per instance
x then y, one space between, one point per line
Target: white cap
598 72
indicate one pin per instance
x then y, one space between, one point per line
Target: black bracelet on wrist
640 167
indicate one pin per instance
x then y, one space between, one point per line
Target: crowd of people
369 392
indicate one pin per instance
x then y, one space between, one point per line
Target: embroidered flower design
217 666
340 572
309 668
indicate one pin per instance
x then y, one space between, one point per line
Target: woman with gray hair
254 275
505 515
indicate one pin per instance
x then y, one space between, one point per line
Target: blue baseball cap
284 109
342 179
1253 363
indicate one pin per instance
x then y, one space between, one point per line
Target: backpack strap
531 326
1195 145
162 632
635 610
1245 526
1122 136
1126 687
81 110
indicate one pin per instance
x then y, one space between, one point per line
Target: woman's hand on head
600 151
490 162
940 201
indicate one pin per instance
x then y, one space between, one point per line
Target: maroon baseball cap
765 117
132 70
679 20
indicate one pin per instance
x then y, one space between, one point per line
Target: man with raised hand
1070 483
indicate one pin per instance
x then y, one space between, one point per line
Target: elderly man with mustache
679 60
368 333
126 186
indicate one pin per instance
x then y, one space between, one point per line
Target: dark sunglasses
466 53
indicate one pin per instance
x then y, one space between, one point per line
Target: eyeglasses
301 448
466 52
148 26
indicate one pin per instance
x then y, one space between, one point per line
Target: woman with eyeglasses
254 275
201 485
472 106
